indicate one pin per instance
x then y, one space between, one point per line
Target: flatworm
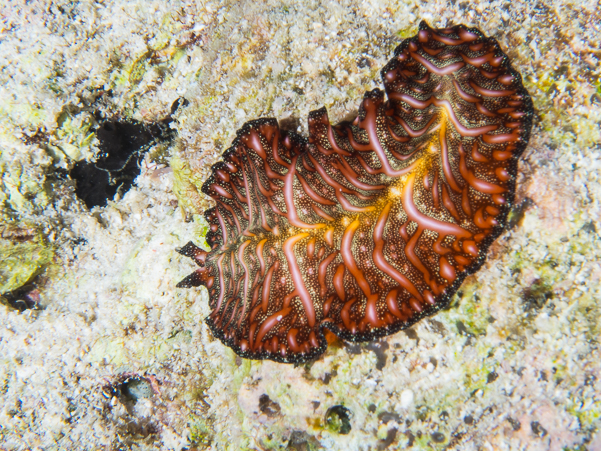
367 226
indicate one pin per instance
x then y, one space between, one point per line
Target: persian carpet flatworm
369 225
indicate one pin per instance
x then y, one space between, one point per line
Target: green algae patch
553 94
21 262
139 67
31 114
187 185
74 136
161 58
200 432
21 190
408 32
468 311
338 420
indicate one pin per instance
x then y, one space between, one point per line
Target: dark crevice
122 145
269 407
23 298
516 214
338 419
379 348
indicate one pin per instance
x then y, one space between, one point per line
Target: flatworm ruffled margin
367 226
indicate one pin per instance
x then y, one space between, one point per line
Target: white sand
515 364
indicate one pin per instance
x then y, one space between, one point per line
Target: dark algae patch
338 420
122 145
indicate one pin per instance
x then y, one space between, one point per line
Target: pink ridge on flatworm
366 226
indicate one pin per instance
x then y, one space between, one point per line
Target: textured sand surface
513 364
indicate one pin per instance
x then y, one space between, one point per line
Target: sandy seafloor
514 364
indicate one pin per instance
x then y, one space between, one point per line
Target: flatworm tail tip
367 226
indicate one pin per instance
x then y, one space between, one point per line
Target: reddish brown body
368 225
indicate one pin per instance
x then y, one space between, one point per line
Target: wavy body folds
366 226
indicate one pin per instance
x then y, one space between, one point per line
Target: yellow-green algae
187 185
21 262
74 136
24 250
22 190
